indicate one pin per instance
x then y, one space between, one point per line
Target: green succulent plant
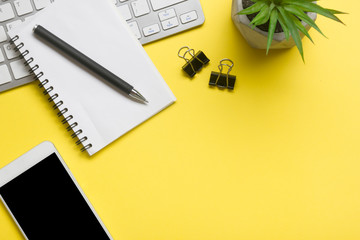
289 14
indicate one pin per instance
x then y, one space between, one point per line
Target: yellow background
277 158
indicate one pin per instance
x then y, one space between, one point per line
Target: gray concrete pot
256 37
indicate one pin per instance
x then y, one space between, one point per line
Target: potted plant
277 24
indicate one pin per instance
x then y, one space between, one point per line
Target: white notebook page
95 28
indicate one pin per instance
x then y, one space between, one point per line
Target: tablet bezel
26 161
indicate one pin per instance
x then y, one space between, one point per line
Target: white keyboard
149 20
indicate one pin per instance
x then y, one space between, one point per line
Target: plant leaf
266 18
312 7
303 16
284 27
272 25
262 16
293 30
335 11
253 8
301 27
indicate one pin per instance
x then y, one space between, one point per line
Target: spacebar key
159 4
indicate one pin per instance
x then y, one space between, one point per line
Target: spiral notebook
97 113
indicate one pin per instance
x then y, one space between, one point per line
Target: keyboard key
2 58
5 76
6 12
170 23
135 29
3 35
125 11
29 17
169 13
40 4
18 69
13 24
23 7
10 52
188 17
150 30
159 4
140 7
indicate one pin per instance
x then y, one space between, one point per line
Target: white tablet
45 200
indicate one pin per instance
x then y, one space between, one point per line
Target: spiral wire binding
52 96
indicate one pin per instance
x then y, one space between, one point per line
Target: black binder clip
223 80
195 63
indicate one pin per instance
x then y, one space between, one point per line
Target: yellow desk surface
277 158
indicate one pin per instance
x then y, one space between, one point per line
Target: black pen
87 62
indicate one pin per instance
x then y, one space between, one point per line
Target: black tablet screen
47 204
